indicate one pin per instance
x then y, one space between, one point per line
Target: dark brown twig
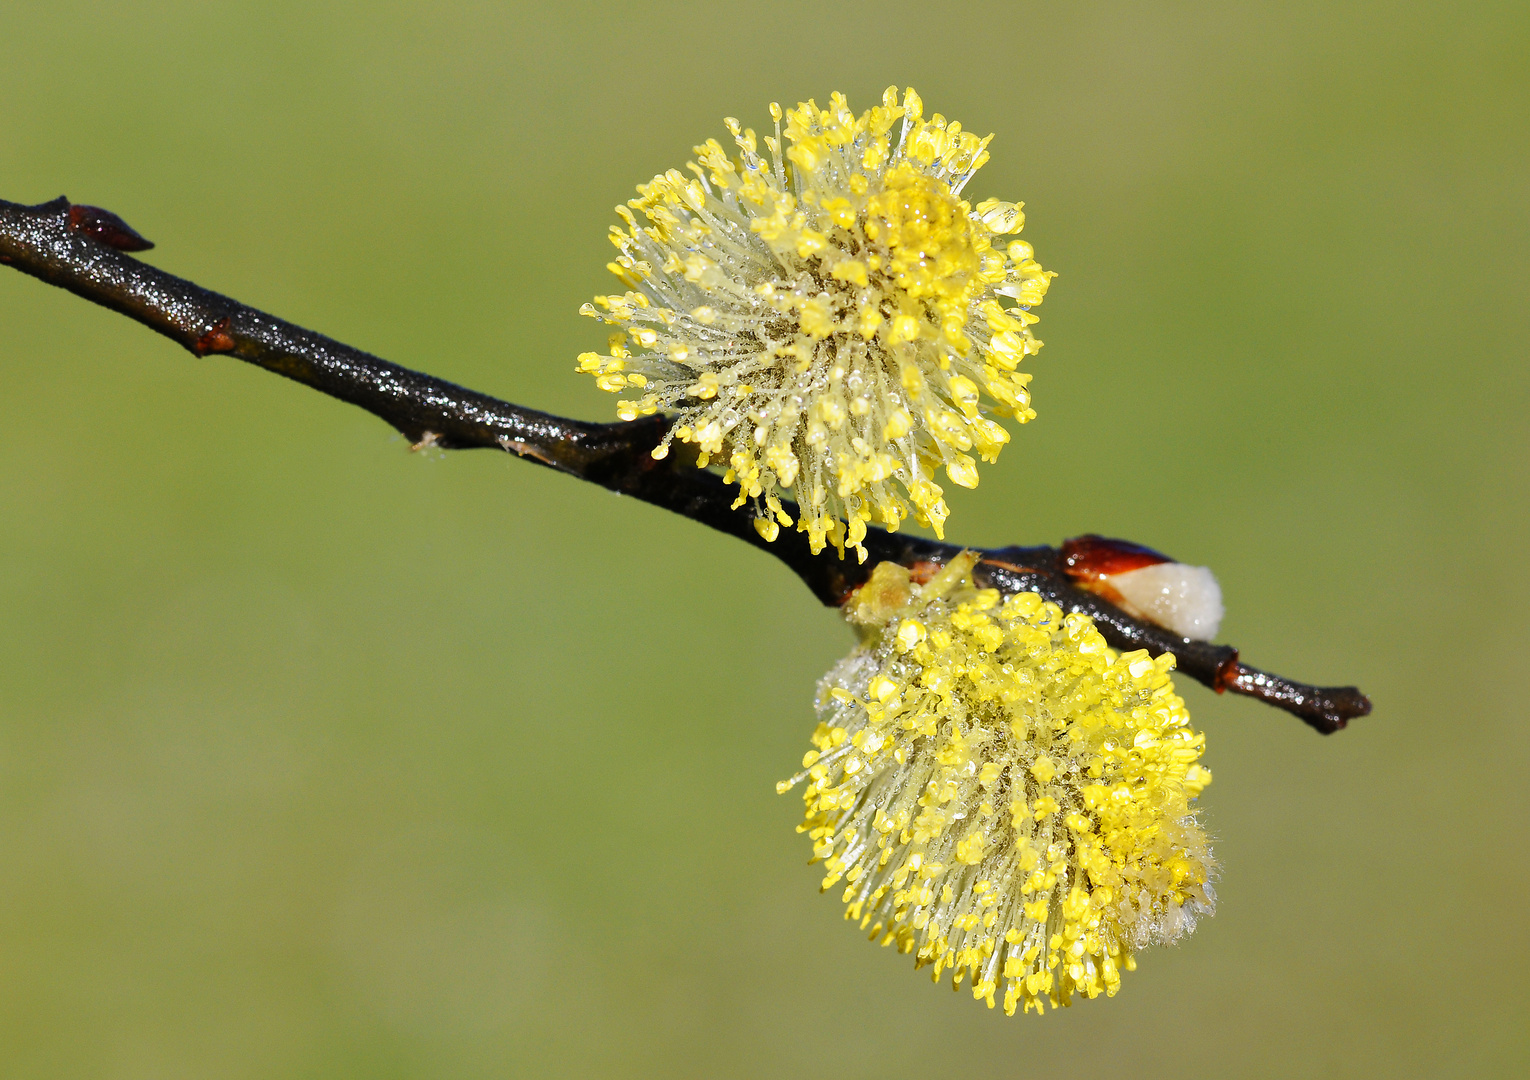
83 249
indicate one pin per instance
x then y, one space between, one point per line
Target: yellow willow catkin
1003 795
832 318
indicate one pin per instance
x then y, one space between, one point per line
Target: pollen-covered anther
998 792
834 311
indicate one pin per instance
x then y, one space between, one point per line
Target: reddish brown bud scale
216 340
107 227
921 572
1227 675
1089 557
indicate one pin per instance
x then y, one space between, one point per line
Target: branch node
525 450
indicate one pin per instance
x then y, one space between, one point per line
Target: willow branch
85 250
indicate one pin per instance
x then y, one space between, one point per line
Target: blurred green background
319 758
